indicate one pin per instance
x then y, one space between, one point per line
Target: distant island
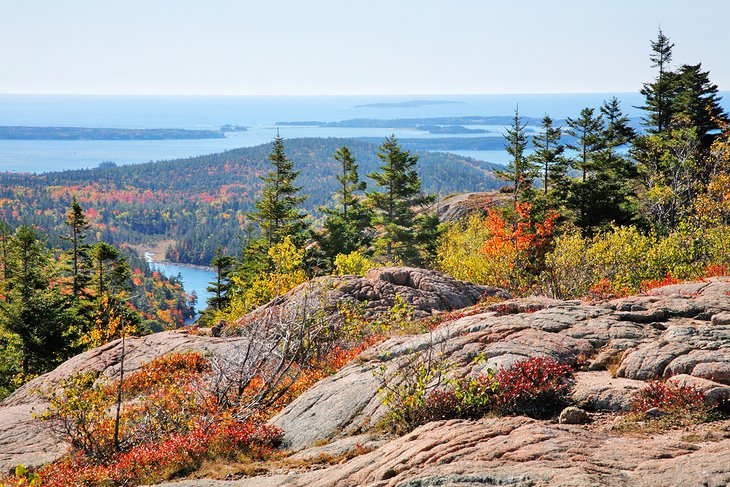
450 129
409 104
413 123
233 128
84 133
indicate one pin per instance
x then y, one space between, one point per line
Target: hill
201 202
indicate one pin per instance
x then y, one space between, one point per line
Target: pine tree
277 213
401 232
697 100
521 171
587 130
548 153
220 288
79 252
660 93
34 308
345 225
4 249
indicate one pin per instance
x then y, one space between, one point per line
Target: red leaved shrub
537 387
670 397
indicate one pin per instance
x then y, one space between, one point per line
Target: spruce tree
277 213
548 153
660 93
34 307
520 171
697 101
345 225
4 249
402 232
220 288
79 252
586 130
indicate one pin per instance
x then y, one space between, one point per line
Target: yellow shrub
353 263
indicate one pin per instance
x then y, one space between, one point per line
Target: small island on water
84 133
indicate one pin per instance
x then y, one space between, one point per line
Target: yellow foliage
288 272
353 263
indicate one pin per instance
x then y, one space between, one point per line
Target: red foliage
440 404
670 397
667 281
605 290
536 387
151 461
716 270
174 367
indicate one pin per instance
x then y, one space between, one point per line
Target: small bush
353 263
537 387
671 398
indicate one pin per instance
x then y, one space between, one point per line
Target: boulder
573 415
426 290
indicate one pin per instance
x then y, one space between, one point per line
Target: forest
202 202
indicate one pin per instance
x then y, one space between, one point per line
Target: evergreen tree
112 270
520 171
34 309
401 232
548 154
277 213
586 130
617 131
79 252
345 225
221 287
4 249
660 93
697 100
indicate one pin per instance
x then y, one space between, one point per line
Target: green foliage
521 170
277 212
34 308
405 390
345 225
402 234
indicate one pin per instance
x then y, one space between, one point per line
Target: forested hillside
202 202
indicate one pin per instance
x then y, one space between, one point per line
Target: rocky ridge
679 332
24 439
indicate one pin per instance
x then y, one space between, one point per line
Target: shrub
671 398
537 387
406 390
353 263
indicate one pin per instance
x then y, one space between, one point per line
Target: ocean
259 113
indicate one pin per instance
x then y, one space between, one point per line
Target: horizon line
293 95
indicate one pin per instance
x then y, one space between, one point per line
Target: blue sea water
258 113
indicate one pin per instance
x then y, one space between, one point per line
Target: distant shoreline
149 257
17 132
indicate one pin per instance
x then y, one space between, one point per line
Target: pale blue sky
226 47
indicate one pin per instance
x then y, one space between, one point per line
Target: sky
348 47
